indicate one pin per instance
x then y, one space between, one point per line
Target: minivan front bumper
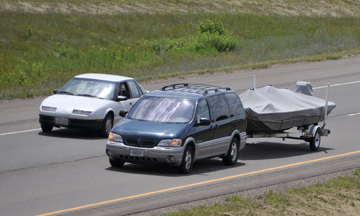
169 155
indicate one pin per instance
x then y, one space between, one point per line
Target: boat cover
269 109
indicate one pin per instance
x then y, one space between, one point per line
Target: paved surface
67 172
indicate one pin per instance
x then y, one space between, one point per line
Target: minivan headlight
115 138
170 142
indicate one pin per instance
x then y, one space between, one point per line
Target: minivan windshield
162 109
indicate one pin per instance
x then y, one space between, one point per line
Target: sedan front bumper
70 123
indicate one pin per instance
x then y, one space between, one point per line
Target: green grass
339 196
41 51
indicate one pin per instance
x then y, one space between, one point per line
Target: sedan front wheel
107 125
46 128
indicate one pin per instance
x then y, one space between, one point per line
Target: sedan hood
152 130
65 102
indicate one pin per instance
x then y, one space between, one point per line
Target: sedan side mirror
204 121
123 113
55 91
121 98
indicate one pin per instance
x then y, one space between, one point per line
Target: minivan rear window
162 109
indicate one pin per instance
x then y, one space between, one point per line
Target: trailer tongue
271 112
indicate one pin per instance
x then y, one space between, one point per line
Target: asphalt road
67 172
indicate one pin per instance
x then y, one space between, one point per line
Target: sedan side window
134 90
203 110
123 90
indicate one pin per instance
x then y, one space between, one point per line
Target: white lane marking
16 132
354 114
340 84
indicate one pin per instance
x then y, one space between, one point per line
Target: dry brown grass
283 7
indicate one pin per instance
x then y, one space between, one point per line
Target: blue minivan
179 124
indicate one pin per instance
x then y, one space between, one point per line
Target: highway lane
43 173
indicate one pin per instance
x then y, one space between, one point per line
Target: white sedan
90 101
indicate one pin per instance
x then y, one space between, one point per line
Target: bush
212 37
212 28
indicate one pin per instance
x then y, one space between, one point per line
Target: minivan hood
151 130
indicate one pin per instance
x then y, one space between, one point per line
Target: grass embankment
41 51
339 196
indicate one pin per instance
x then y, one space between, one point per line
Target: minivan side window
235 106
219 108
203 110
135 93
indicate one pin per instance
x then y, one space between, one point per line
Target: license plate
61 121
137 152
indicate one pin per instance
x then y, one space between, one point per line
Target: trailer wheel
315 141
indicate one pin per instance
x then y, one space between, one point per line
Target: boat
273 110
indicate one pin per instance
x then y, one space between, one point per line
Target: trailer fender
313 129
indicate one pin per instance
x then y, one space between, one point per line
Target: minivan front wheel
187 161
116 163
232 154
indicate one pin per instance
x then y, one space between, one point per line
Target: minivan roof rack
195 88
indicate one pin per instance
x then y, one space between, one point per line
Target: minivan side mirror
123 113
204 121
55 91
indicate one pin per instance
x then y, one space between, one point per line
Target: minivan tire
116 163
232 154
187 161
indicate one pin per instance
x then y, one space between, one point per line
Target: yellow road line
195 184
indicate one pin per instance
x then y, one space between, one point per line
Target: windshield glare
90 88
166 110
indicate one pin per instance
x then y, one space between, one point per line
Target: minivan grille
131 141
140 143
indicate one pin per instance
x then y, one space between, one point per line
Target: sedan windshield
165 110
89 88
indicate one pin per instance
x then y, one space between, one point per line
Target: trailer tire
315 141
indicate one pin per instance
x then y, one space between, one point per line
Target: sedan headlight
170 142
48 109
81 112
115 138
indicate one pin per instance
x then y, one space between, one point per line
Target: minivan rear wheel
187 161
232 154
